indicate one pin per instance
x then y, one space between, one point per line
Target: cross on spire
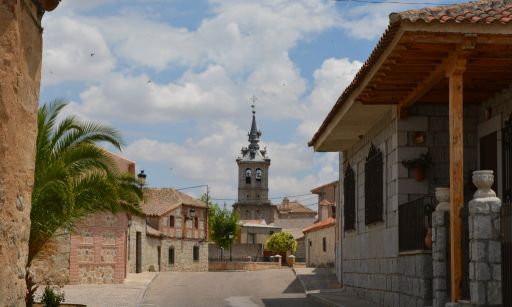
253 106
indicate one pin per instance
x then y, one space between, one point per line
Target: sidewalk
128 294
320 284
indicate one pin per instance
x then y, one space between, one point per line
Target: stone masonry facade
20 75
98 249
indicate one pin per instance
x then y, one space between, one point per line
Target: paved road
264 288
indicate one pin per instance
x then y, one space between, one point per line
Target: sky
176 78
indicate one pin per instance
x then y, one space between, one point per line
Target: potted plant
419 165
428 223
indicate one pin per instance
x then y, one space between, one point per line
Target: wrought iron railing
413 222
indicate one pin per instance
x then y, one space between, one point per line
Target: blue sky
175 77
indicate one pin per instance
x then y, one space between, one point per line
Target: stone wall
183 256
243 266
315 254
52 261
20 75
440 261
98 249
240 251
415 279
432 120
370 251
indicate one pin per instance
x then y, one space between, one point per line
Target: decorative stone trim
443 199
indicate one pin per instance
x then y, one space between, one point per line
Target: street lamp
192 213
230 236
142 178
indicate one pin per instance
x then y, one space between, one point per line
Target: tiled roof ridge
330 221
485 11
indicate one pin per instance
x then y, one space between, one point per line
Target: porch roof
409 64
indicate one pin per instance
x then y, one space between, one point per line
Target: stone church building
258 216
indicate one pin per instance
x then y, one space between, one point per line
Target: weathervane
253 106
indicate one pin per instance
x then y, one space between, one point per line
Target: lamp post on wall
142 178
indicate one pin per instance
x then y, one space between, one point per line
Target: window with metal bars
349 204
373 186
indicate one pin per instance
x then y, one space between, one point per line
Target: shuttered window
373 186
349 203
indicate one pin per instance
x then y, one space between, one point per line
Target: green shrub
281 242
52 296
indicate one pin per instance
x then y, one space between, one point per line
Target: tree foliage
74 176
222 223
281 242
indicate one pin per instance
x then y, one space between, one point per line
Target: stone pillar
485 244
20 74
440 226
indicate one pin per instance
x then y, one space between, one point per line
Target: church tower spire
253 166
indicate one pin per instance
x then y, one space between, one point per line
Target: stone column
20 74
485 244
440 224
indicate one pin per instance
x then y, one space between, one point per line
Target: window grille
324 244
349 185
373 185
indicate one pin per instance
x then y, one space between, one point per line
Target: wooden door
159 251
138 253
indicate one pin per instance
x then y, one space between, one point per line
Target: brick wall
98 249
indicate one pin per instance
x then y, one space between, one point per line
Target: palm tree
73 177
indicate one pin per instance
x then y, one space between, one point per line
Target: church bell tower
253 166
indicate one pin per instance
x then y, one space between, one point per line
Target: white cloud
68 45
331 79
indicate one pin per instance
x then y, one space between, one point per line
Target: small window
248 174
271 232
196 222
171 255
258 175
196 253
171 221
324 244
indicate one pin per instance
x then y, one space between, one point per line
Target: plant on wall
419 165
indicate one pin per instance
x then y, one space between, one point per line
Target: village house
320 237
430 106
175 226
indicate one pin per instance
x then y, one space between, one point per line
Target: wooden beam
454 72
433 78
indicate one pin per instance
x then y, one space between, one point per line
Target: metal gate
506 214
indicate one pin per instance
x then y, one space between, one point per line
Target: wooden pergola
455 55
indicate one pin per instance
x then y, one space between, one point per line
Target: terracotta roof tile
294 207
470 12
328 222
160 201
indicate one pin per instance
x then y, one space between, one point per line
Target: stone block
436 123
439 284
413 123
481 227
494 293
441 138
478 207
496 272
482 271
439 269
478 250
478 293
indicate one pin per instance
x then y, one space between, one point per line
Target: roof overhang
408 66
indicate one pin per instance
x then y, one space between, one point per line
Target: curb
143 295
322 300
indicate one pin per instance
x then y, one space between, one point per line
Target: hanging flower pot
419 173
418 165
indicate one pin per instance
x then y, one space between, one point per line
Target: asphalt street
264 288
